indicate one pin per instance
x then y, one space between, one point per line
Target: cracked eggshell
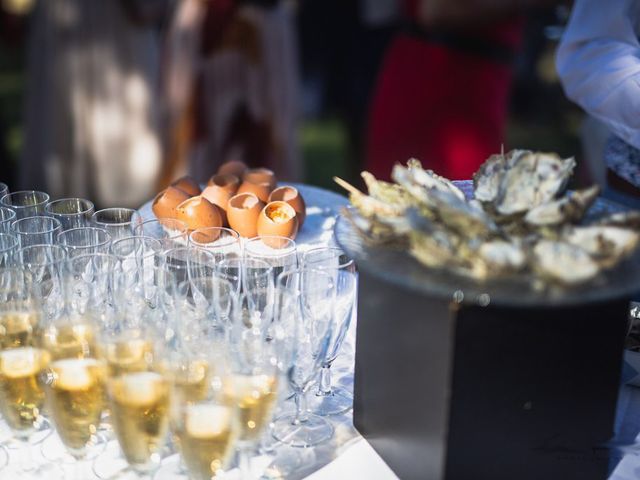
243 211
166 202
292 197
198 212
278 218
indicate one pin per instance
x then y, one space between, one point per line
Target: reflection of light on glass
18 7
484 299
458 296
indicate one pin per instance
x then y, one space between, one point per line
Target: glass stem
324 385
27 463
301 408
244 462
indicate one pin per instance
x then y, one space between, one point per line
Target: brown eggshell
278 218
260 190
260 175
229 183
198 212
293 198
166 202
187 184
233 167
243 211
219 197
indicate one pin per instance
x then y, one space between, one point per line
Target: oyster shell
563 262
532 179
630 219
568 209
502 256
418 181
605 244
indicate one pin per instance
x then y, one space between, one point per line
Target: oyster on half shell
563 262
605 244
531 180
568 209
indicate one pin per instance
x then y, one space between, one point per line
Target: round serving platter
397 266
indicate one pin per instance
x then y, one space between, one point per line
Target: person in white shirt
598 61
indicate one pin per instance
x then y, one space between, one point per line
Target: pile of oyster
520 220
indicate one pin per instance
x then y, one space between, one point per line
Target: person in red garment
442 92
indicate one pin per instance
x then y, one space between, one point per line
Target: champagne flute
40 230
139 390
329 400
304 310
74 386
22 362
25 203
117 221
4 189
84 240
252 384
189 262
42 262
72 212
279 252
172 233
224 243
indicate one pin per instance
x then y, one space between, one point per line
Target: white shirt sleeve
598 62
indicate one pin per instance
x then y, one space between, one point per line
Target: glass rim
33 218
92 229
113 224
188 251
347 263
23 193
289 247
233 234
140 225
145 239
88 203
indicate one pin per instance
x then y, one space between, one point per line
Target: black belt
475 46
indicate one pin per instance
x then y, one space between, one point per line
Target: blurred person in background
92 117
231 87
443 91
598 62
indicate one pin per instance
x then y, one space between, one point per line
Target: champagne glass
222 242
139 390
72 212
88 284
40 230
172 233
8 247
304 310
252 384
22 362
279 252
117 221
189 262
43 262
84 240
25 203
74 386
7 217
204 422
330 400
4 189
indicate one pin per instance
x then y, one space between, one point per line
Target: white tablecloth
347 455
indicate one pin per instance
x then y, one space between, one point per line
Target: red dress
444 105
